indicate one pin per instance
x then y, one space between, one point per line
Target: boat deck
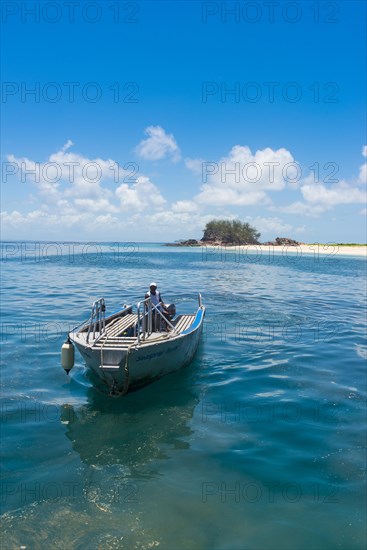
120 325
183 322
113 337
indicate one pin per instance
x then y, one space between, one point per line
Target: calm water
258 444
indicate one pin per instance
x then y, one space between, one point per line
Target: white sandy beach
315 249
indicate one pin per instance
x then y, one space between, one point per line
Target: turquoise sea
259 444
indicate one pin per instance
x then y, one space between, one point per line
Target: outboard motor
171 310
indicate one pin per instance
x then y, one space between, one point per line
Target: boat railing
97 321
148 314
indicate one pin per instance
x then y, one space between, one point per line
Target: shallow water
259 443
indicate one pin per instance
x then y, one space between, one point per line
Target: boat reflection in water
132 433
112 475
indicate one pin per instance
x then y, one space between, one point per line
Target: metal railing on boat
148 318
97 318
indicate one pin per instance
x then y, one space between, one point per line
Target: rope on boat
127 371
104 374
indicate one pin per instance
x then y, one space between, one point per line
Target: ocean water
259 444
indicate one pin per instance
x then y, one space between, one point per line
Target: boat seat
183 322
120 325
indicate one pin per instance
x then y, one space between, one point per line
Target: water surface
258 444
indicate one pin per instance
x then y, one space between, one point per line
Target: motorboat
135 345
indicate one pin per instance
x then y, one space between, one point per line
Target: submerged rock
188 242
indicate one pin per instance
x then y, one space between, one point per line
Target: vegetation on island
230 232
224 232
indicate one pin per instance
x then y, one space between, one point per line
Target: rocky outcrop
188 242
282 241
279 241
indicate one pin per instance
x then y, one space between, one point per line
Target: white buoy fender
67 356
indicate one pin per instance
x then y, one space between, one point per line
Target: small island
232 233
227 234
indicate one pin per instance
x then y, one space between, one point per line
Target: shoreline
316 249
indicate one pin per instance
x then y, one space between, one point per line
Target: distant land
279 241
282 245
243 236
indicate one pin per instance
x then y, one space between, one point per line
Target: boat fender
67 355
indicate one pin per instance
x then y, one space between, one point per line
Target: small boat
135 345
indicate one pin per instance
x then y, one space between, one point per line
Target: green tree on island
234 232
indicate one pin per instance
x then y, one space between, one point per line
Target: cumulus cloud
70 179
243 178
341 193
181 225
72 193
142 195
158 145
76 192
96 205
41 175
319 197
195 165
271 225
302 209
68 174
41 217
67 145
84 174
185 206
12 219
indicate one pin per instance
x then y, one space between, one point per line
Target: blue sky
148 119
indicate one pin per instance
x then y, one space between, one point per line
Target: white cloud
195 165
320 198
43 177
362 177
300 229
67 145
96 205
170 219
274 226
141 196
185 206
158 145
71 194
71 179
302 209
243 178
178 225
12 219
217 196
341 193
42 219
76 192
84 174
